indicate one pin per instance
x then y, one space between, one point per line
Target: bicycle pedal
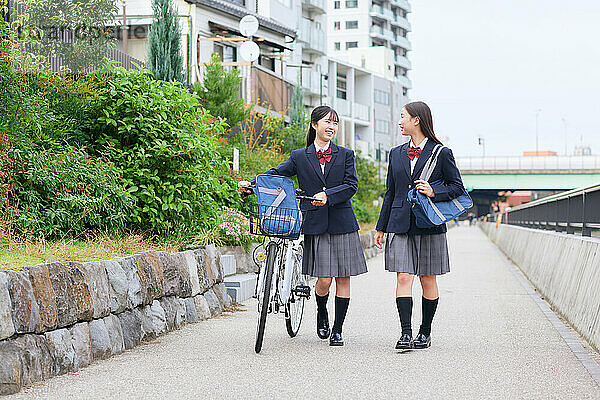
302 291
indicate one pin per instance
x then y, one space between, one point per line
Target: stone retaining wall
565 269
56 318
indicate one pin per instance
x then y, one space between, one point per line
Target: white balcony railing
404 81
315 4
402 3
311 81
402 22
311 36
361 112
403 62
402 42
343 107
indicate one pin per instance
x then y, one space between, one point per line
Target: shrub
219 94
235 228
369 189
164 143
67 192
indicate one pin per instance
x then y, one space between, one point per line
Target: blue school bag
278 210
428 213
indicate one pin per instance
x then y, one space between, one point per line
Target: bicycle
281 285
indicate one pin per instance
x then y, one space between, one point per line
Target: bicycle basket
275 221
277 209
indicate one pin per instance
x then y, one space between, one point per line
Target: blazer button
409 186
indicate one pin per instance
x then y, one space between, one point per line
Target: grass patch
17 253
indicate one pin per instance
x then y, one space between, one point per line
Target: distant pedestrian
332 247
410 250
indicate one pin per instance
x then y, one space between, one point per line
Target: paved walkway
490 341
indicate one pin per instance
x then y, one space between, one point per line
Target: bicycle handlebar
299 194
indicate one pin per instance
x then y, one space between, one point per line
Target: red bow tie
413 152
324 156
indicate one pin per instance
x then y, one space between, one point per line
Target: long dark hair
422 110
318 114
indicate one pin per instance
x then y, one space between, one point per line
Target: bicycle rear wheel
295 305
265 297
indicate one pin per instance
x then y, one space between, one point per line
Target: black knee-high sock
404 305
321 305
429 307
341 307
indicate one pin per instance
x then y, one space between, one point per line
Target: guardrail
526 163
574 211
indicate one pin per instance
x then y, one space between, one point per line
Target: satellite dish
249 51
248 25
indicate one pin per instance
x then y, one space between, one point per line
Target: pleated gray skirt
328 255
422 255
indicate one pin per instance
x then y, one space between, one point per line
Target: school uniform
410 249
332 245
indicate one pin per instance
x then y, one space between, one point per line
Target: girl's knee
404 279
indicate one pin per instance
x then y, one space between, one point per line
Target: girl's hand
322 199
378 239
244 187
424 188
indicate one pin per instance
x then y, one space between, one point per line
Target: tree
219 92
165 59
297 109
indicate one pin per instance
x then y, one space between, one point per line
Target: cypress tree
165 59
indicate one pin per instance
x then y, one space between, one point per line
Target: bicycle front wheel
295 306
264 296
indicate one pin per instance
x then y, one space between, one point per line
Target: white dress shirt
317 148
413 162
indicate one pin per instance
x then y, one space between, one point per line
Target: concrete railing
564 268
57 318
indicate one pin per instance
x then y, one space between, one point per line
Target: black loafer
323 326
422 341
405 342
336 339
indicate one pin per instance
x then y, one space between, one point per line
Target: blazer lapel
404 160
311 154
423 157
334 153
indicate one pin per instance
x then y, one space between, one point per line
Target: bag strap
431 163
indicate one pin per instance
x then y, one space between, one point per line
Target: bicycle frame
281 289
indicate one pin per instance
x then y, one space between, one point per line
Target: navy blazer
396 215
339 183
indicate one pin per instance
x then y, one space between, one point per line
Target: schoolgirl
411 251
332 247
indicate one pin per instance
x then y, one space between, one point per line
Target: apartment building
369 109
372 34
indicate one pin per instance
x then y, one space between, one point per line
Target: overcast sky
486 66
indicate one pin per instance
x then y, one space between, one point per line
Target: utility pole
125 27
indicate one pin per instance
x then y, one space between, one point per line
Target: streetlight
564 121
537 114
481 142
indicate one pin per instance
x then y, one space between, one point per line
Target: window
351 45
351 24
382 126
341 87
351 3
382 97
226 53
336 25
336 5
336 45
